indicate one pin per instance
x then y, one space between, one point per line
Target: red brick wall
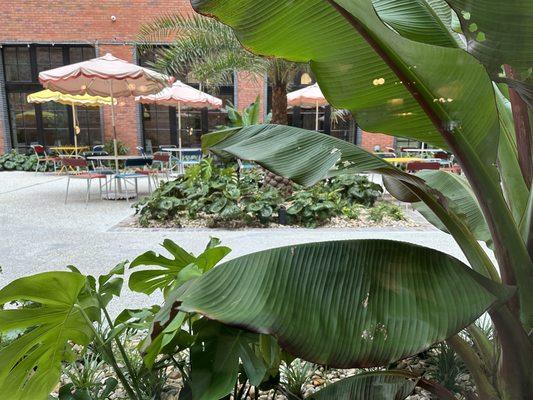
80 20
248 88
370 140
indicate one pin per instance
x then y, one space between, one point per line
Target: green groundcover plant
13 161
224 194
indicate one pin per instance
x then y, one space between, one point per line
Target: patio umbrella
310 96
104 76
181 95
45 96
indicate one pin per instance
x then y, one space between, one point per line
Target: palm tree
209 51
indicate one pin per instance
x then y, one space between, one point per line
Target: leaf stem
120 347
110 356
485 389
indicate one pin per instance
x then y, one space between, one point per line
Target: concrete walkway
38 232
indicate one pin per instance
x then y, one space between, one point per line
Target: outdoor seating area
266 200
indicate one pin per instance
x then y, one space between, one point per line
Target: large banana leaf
307 156
390 83
303 156
31 364
426 21
385 385
358 303
499 32
461 200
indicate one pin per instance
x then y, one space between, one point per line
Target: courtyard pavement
38 232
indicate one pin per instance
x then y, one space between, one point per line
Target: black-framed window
51 123
160 123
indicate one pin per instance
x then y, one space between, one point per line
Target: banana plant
431 70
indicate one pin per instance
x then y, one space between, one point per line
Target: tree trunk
279 104
522 130
279 116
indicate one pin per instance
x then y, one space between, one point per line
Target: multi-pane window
79 54
89 123
50 123
49 57
55 124
17 64
156 123
22 118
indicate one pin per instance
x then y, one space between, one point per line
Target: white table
119 193
423 151
180 152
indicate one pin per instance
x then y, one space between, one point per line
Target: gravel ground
39 232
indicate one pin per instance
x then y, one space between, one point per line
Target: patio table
67 151
403 160
119 193
181 151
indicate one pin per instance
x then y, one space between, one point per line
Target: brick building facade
44 27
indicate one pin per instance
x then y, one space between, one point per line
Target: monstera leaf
345 304
176 271
215 359
31 364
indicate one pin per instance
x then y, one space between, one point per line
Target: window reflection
49 124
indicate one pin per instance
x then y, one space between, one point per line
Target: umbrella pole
316 121
75 130
179 135
115 147
179 124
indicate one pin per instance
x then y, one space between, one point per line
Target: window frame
34 86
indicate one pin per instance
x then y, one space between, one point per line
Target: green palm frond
201 46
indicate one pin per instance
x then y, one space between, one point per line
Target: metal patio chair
82 173
43 157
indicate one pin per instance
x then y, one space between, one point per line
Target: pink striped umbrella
181 95
310 96
104 76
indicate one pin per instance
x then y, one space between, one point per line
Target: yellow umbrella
44 96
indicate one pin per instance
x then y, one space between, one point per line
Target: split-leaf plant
408 69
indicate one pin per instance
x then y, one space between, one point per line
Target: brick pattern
371 140
89 22
84 21
249 86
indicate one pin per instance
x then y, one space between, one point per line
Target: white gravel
38 232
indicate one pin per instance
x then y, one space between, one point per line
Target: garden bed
206 221
212 197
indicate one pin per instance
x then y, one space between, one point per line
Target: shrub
223 195
13 161
382 210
